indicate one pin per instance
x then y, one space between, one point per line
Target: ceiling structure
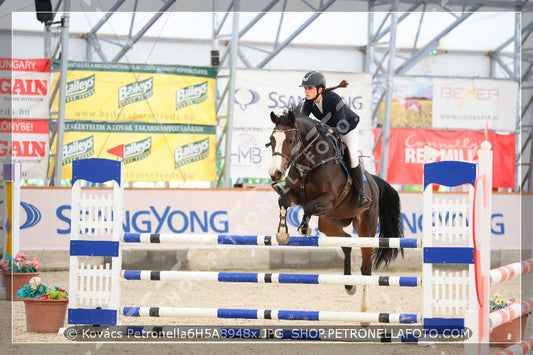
511 57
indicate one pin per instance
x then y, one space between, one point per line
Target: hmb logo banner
191 152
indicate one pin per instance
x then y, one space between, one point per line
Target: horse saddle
340 146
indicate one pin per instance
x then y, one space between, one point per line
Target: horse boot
357 174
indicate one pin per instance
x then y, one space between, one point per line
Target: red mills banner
406 153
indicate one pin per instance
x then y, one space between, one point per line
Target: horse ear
291 118
273 117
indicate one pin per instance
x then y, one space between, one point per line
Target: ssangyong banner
45 220
25 142
125 92
152 152
259 92
406 153
474 104
24 88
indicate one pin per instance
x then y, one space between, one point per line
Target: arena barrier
448 239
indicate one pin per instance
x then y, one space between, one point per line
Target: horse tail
390 223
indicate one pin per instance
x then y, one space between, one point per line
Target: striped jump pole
274 278
267 240
512 270
509 313
519 348
324 316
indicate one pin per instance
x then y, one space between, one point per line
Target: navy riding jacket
341 118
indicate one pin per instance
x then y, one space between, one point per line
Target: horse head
286 143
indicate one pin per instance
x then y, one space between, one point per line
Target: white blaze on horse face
277 160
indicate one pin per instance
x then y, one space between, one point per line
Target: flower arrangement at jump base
46 307
506 333
36 289
497 302
18 271
20 263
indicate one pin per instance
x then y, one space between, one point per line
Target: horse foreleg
283 232
304 229
315 207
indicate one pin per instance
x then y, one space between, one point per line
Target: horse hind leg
350 289
366 269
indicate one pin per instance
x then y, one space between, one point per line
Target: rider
329 108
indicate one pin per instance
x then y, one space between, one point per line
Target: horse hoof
364 325
350 289
282 238
304 231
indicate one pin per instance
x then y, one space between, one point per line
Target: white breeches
351 139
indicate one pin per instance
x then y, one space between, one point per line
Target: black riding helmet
313 78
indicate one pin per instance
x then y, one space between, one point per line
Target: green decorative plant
36 289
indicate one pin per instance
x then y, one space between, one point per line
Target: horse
318 180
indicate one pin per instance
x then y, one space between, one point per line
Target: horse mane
295 109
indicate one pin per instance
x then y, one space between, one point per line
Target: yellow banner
152 152
122 92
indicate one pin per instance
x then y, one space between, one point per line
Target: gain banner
25 142
123 92
24 88
152 152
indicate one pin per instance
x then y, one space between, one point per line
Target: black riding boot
357 174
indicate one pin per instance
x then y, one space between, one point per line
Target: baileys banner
164 115
124 92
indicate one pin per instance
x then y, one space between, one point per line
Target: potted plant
507 333
17 272
46 307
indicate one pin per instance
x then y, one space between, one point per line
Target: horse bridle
300 141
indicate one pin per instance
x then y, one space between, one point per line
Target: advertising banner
249 156
25 142
474 103
45 218
455 103
124 92
259 92
152 152
24 88
406 153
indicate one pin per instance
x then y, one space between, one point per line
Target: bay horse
318 180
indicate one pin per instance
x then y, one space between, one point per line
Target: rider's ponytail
342 84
